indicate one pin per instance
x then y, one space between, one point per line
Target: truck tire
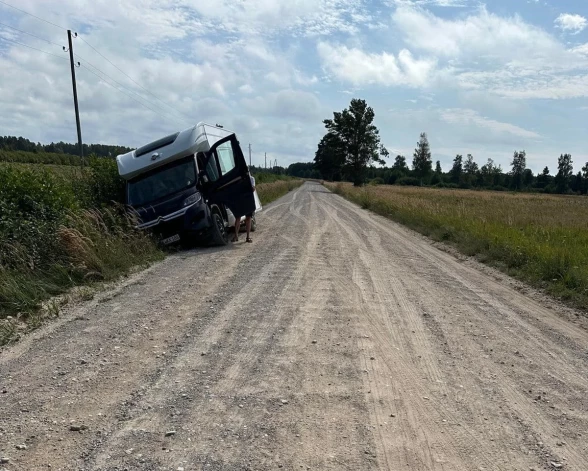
219 229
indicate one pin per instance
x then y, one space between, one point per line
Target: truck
189 186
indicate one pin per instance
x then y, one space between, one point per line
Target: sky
479 78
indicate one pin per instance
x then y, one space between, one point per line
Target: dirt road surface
338 340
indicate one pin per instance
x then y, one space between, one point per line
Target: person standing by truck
247 218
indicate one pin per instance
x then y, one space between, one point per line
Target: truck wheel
219 230
253 224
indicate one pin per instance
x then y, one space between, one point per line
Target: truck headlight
192 199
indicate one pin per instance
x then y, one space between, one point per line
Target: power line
31 47
42 39
130 96
30 14
126 75
98 70
96 50
161 111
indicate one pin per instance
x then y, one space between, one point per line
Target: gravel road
338 340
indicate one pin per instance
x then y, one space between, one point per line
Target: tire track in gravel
338 340
482 299
431 451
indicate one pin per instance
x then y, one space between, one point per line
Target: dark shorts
250 215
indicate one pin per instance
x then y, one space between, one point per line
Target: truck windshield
162 182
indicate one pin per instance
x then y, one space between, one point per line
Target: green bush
32 206
58 230
105 186
408 181
446 185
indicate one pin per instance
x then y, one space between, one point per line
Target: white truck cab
189 185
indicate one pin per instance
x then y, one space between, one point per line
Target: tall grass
272 191
57 232
542 239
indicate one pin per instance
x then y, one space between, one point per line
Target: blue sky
480 78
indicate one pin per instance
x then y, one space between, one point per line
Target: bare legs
237 225
248 226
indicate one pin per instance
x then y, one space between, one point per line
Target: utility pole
250 155
266 160
75 93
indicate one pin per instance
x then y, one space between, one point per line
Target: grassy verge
57 232
269 192
541 239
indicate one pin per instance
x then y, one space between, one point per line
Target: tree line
351 147
13 143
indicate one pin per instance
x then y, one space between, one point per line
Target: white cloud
555 88
436 3
306 17
468 117
573 23
581 49
361 68
273 69
482 36
246 88
285 104
501 55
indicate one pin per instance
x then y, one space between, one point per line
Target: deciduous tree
490 173
329 157
357 138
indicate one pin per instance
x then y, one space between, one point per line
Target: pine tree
565 170
422 164
457 169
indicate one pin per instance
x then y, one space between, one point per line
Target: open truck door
227 179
